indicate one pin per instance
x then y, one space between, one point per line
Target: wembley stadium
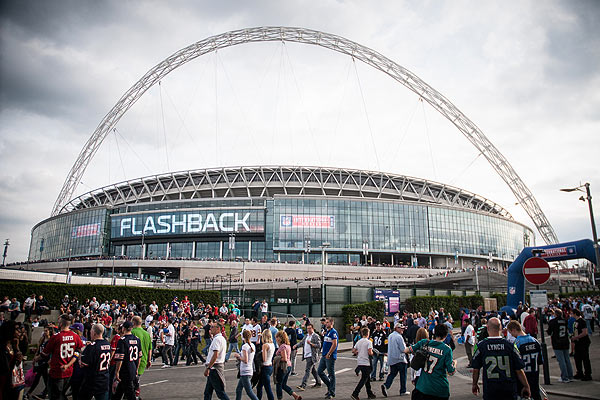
279 214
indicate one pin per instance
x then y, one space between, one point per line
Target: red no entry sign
536 270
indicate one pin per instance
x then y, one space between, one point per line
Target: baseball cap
399 325
78 326
378 323
127 325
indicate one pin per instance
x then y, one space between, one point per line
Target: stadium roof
269 181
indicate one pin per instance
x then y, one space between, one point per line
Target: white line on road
341 371
154 383
178 368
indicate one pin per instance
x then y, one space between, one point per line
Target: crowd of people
101 349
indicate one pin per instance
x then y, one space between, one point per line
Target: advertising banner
307 221
391 299
85 230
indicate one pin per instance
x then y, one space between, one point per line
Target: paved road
183 382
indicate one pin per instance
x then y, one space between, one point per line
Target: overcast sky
526 72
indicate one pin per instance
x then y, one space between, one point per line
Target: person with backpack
438 364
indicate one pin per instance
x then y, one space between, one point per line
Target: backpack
420 359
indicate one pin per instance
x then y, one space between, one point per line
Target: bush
54 293
451 304
375 309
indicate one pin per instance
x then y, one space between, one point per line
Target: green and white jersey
434 376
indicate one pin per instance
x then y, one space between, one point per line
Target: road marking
341 371
154 383
187 366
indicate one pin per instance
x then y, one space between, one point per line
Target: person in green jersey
433 382
146 342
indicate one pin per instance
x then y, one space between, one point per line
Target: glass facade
75 234
280 229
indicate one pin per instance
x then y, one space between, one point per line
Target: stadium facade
282 214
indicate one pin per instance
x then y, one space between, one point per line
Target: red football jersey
62 347
113 348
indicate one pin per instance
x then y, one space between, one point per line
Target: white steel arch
332 42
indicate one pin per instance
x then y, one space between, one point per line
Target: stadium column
139 274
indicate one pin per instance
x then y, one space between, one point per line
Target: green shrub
54 293
375 309
451 304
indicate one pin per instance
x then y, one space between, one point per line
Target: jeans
329 364
377 359
281 383
364 380
57 388
107 333
193 353
180 347
566 370
245 384
214 383
310 368
167 354
205 349
293 359
394 370
265 381
232 347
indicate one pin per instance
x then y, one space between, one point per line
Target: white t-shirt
470 332
247 369
523 316
269 358
29 302
264 307
588 311
149 319
363 346
218 344
170 340
246 327
154 307
308 347
256 331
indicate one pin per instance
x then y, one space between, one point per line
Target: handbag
420 359
18 377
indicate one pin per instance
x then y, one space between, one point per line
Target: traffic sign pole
544 347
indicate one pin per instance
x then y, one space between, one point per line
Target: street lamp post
594 234
323 247
69 264
112 274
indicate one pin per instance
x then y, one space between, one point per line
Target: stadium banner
85 230
197 222
307 221
391 299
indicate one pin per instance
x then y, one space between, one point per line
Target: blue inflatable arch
554 252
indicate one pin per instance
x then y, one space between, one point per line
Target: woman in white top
268 349
246 367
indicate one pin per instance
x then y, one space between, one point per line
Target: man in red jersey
61 348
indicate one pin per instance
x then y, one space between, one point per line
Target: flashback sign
178 223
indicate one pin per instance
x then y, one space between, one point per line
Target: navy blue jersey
95 361
129 352
498 359
531 354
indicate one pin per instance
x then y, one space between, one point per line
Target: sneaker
372 396
578 377
353 397
330 396
293 374
383 390
301 388
166 366
405 393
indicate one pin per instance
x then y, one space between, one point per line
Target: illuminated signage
85 230
308 221
179 223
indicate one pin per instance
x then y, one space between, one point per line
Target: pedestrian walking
396 360
293 336
61 349
380 345
168 338
363 350
433 382
310 346
146 344
233 340
469 339
582 348
531 354
215 366
246 358
559 335
329 351
284 351
268 349
128 356
501 364
95 361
